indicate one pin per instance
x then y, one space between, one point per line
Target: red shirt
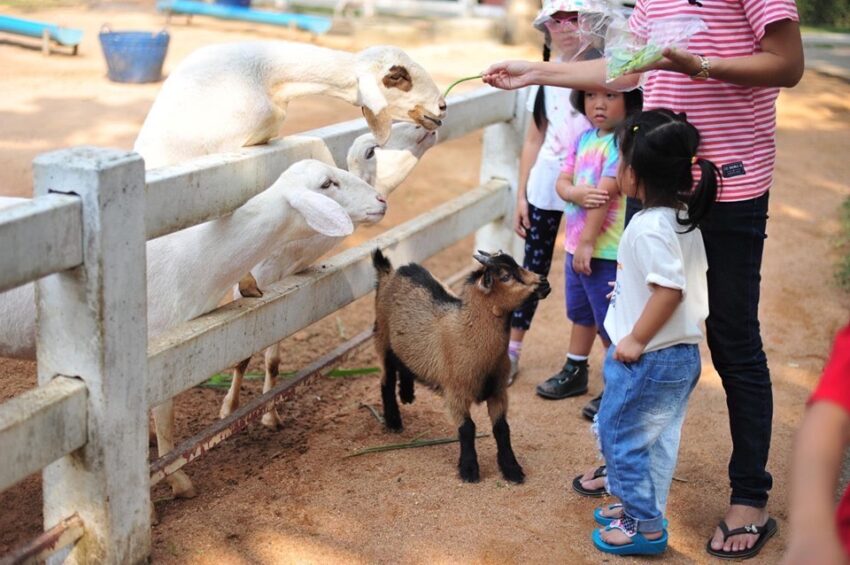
834 387
737 123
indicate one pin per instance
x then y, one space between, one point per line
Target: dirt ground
291 496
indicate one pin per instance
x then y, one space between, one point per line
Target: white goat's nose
381 199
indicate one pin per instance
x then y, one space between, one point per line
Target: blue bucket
134 56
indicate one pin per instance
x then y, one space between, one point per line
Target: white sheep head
332 201
386 167
390 86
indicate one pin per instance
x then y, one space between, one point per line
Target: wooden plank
40 426
183 195
40 236
188 354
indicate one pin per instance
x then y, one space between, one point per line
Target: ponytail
702 198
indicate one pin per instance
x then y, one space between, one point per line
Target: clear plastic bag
625 51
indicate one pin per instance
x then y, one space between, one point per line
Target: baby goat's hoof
513 473
469 472
181 485
271 420
393 422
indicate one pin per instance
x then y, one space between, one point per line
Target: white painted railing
84 234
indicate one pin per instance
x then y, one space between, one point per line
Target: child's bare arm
818 451
593 223
661 305
530 149
564 185
584 195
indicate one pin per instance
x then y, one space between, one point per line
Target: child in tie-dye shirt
588 175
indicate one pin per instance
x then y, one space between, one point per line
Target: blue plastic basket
134 56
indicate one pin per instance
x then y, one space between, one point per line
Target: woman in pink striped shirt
727 82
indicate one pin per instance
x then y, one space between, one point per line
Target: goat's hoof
271 420
181 486
469 472
393 423
226 409
513 473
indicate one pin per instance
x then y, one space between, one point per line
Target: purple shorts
587 295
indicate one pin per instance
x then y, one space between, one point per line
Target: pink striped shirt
737 123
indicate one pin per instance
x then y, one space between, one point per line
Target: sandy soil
291 496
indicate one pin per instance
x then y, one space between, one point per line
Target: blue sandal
605 520
639 544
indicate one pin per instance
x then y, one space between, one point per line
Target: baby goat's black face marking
419 276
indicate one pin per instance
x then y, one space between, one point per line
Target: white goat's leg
231 399
271 419
163 418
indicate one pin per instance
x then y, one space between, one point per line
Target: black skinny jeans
734 234
539 248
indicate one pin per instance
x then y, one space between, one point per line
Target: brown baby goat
456 345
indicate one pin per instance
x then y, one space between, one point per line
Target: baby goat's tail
381 263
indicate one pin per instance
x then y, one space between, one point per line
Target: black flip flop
763 532
600 471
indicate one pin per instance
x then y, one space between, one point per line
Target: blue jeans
734 234
640 424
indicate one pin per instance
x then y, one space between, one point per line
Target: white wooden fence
82 238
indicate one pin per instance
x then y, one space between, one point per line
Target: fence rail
85 249
203 189
52 418
40 237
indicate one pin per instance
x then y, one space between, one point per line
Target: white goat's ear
375 109
323 214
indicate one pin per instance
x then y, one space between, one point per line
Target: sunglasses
562 23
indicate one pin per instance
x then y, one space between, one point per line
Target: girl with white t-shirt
551 132
659 301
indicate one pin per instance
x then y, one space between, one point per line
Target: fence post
93 326
501 149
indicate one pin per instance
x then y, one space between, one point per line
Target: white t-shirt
565 125
653 250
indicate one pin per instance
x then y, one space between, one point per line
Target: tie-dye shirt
591 158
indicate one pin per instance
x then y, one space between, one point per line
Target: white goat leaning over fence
226 96
189 271
385 168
